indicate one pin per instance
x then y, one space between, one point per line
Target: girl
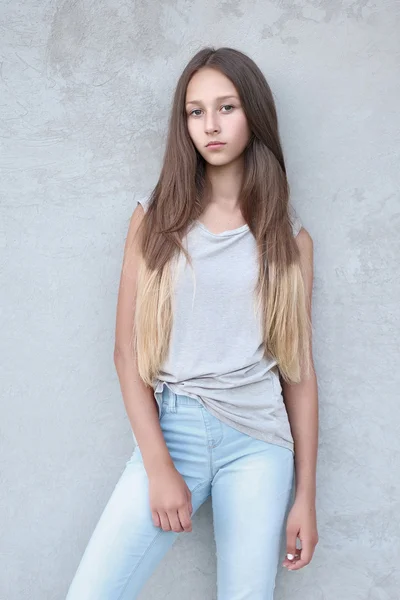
213 349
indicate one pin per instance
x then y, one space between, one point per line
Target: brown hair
177 201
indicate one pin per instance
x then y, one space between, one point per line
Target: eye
193 111
228 106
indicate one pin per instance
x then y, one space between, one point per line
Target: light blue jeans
250 483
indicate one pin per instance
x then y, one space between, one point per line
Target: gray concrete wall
85 94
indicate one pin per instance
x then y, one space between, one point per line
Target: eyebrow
219 98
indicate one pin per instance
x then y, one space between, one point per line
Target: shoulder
135 222
303 238
143 201
294 220
304 242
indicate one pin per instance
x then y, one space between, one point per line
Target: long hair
177 201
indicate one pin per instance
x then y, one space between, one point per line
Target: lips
215 144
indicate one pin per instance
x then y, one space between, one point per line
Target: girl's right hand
170 500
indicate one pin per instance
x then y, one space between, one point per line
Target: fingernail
290 556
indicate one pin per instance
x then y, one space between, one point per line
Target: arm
139 401
169 495
301 401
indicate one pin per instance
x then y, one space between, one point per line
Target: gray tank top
216 347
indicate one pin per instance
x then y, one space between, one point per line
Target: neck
225 182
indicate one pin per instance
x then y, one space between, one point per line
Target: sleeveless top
216 346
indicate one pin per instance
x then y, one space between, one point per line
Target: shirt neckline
227 233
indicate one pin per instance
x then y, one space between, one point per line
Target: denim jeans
250 483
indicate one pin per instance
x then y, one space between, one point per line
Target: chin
218 161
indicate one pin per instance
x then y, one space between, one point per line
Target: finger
165 524
294 560
305 557
289 562
156 518
184 517
174 520
291 550
190 505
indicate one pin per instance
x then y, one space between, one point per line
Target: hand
301 523
170 500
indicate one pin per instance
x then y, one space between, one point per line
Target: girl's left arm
301 401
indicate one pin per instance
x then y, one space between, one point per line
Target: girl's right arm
169 496
139 401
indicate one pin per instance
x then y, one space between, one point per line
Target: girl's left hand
301 523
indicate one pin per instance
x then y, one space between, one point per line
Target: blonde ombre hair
178 200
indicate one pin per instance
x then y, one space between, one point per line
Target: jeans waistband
172 399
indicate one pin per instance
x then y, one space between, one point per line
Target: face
215 114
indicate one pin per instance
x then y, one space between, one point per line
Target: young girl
213 349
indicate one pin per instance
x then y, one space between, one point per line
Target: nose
211 124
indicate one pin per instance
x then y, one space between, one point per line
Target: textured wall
85 94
